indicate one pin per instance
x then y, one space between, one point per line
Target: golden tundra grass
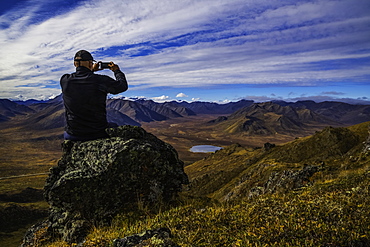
331 213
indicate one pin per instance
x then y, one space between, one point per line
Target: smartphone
104 65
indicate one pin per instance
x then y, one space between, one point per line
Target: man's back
84 103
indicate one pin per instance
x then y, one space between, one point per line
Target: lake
204 149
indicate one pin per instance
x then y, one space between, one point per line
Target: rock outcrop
286 180
278 182
98 179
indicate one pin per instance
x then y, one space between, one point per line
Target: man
84 96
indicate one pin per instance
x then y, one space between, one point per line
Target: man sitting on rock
84 96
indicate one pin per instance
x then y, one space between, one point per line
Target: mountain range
244 116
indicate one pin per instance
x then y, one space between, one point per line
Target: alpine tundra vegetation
296 194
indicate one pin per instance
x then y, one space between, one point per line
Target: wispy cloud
188 43
332 93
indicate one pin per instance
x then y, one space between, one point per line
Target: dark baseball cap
83 55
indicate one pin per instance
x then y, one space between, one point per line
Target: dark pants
90 137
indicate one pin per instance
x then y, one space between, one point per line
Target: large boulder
98 179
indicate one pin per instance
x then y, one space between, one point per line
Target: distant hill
9 109
120 118
47 116
338 111
269 118
167 109
214 108
135 110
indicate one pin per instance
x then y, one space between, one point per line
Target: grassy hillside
332 151
251 197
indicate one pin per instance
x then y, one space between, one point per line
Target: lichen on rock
156 237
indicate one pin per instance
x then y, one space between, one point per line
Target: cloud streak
188 43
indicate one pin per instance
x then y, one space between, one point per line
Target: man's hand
113 67
96 66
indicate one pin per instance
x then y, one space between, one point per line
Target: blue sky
208 50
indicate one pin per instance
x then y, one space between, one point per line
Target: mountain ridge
269 118
242 117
